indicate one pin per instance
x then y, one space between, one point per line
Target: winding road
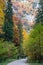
19 62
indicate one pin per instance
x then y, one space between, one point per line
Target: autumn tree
2 7
33 47
16 35
8 24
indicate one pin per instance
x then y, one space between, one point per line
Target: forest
15 41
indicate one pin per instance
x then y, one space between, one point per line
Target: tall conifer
8 24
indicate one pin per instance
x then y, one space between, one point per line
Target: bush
8 50
33 46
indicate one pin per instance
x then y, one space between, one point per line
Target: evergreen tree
39 17
8 24
20 29
20 32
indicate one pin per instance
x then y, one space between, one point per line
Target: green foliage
20 31
35 63
7 50
34 44
8 24
7 61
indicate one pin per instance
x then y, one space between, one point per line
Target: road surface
19 62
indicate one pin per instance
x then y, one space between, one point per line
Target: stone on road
19 62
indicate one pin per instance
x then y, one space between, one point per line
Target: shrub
8 50
33 46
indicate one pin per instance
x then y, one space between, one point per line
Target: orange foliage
16 36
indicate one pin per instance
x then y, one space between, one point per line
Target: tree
2 7
20 29
2 4
34 44
8 24
20 32
39 17
16 35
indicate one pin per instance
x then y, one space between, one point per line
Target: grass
35 64
7 61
